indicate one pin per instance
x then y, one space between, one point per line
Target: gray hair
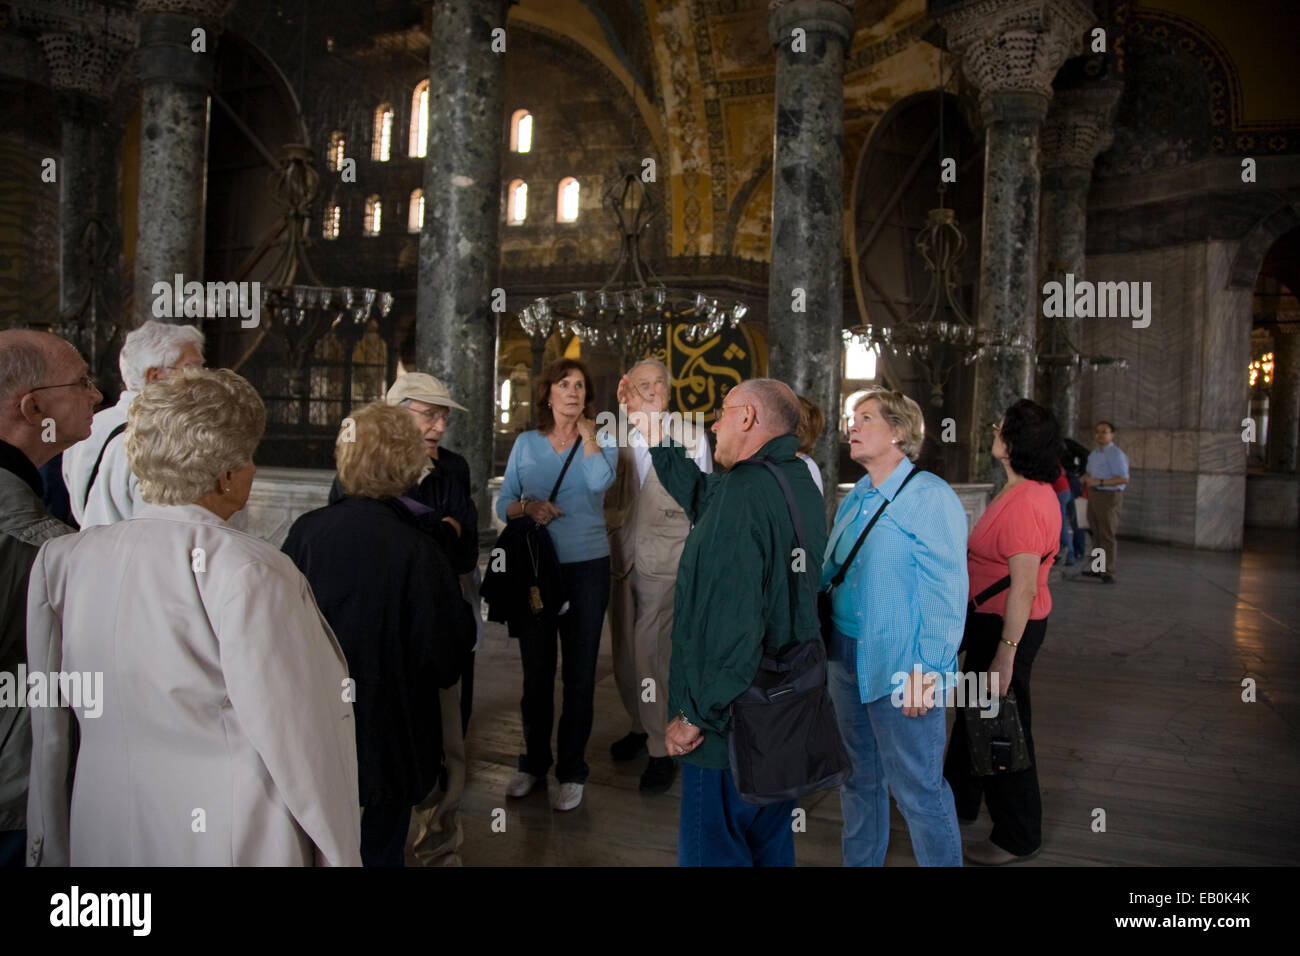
22 368
656 363
154 345
777 403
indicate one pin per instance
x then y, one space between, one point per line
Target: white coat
115 496
226 736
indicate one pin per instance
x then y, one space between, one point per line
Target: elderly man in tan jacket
647 530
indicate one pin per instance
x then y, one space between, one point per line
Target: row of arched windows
566 209
381 149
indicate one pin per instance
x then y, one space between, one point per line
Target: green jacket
740 585
24 526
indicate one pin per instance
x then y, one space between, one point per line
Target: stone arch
1254 246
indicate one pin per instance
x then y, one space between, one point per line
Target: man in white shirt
101 487
647 530
1106 478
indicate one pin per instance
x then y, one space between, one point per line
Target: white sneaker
521 784
566 796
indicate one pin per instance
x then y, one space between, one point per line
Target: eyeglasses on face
88 382
722 409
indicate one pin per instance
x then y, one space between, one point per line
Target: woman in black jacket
389 593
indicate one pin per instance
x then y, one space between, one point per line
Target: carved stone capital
813 16
202 9
1080 125
82 64
1014 46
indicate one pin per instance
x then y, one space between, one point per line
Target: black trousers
1013 799
587 584
466 691
383 834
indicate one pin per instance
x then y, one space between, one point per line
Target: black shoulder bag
785 742
824 597
996 738
526 583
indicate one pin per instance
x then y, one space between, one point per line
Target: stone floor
1138 711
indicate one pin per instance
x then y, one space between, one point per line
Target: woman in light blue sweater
576 523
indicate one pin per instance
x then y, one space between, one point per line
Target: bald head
45 405
754 412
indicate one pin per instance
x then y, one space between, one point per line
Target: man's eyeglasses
88 382
717 415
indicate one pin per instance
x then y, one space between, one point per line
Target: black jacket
523 557
446 490
389 593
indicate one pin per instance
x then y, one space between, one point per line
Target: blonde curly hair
382 454
184 431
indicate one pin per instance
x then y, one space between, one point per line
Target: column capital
1080 125
1014 46
82 64
202 9
814 16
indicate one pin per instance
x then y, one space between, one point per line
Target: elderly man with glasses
738 595
101 486
46 405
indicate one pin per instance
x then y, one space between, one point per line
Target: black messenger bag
785 742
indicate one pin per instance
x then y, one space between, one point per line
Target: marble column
1078 129
83 68
1284 403
1009 50
460 241
806 280
175 81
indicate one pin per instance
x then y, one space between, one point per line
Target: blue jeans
890 752
1067 536
719 829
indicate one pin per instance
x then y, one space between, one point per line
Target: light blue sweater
578 534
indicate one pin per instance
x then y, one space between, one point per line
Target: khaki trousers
1103 518
653 642
622 641
435 835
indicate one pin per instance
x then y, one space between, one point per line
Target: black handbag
785 741
523 583
997 741
824 597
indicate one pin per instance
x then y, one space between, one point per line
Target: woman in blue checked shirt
898 617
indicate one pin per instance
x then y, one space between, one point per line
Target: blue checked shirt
904 597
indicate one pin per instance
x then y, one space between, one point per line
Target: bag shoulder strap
844 568
795 518
567 462
997 587
90 483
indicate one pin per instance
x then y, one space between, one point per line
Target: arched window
374 216
517 202
335 157
521 131
419 137
333 215
566 201
415 214
383 141
860 362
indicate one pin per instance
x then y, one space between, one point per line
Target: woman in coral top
1016 537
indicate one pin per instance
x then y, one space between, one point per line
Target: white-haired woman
898 611
217 732
101 486
388 590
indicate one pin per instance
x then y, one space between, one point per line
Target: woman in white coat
223 734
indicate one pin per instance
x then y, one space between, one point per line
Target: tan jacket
647 528
225 738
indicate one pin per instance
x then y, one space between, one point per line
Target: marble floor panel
1138 711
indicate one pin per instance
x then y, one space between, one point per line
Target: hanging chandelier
631 311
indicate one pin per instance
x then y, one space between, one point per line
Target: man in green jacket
47 401
740 593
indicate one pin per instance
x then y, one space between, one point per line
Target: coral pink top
1025 520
